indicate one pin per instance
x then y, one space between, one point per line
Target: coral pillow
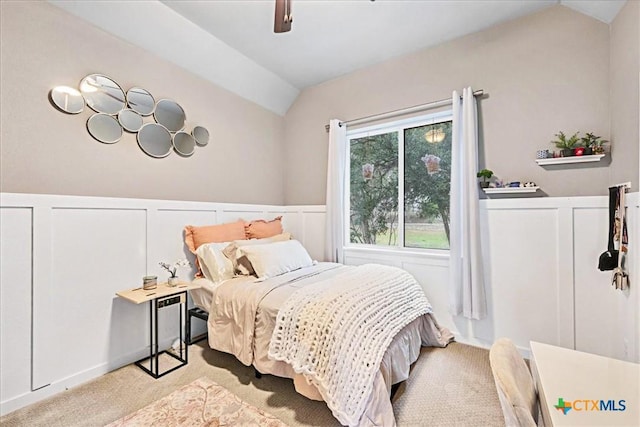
260 229
195 236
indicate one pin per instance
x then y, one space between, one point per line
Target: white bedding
243 316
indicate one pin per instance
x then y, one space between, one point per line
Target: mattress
229 297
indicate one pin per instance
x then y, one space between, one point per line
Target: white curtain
467 294
334 230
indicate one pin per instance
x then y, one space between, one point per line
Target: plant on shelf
486 175
566 144
593 144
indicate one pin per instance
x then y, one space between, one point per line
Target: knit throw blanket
335 332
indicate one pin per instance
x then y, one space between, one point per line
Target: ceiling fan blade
283 18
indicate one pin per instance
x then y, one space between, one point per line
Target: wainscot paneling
542 281
64 258
94 253
15 300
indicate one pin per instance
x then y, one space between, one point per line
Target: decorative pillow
260 229
195 236
215 266
273 259
241 264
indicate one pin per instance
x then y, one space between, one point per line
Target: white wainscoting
64 257
62 260
542 281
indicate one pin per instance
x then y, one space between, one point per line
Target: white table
585 382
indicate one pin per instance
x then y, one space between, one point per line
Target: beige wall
625 91
46 151
543 73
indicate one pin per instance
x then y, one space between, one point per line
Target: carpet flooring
450 386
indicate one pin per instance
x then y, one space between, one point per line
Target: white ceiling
232 43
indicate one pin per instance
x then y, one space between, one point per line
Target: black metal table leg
154 353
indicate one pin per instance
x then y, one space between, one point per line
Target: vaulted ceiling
232 43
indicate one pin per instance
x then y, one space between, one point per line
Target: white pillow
273 259
215 266
240 262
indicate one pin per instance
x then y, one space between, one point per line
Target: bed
344 334
244 314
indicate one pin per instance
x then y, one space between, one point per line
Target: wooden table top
139 295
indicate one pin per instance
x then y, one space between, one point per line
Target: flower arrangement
173 268
593 142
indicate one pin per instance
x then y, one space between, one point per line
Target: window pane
427 182
374 189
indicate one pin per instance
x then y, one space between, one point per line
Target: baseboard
475 342
63 384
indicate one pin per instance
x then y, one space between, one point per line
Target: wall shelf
510 190
572 159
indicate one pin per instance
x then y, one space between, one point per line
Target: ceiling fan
284 18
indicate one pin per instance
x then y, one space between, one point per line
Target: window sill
435 254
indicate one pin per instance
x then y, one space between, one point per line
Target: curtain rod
408 110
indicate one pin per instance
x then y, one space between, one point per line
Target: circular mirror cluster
117 111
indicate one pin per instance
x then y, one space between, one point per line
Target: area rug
201 403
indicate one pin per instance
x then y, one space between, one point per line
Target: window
399 183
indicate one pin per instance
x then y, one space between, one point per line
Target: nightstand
160 297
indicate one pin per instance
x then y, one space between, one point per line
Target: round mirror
170 115
155 140
201 135
140 101
67 99
130 120
184 143
102 94
104 128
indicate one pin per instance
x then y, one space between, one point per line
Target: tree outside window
374 189
377 211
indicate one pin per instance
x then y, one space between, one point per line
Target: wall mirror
67 99
104 128
155 140
102 94
170 115
130 120
140 101
118 111
201 135
184 143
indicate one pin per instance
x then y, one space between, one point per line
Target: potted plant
566 144
593 144
485 174
173 269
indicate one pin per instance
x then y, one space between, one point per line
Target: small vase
173 281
